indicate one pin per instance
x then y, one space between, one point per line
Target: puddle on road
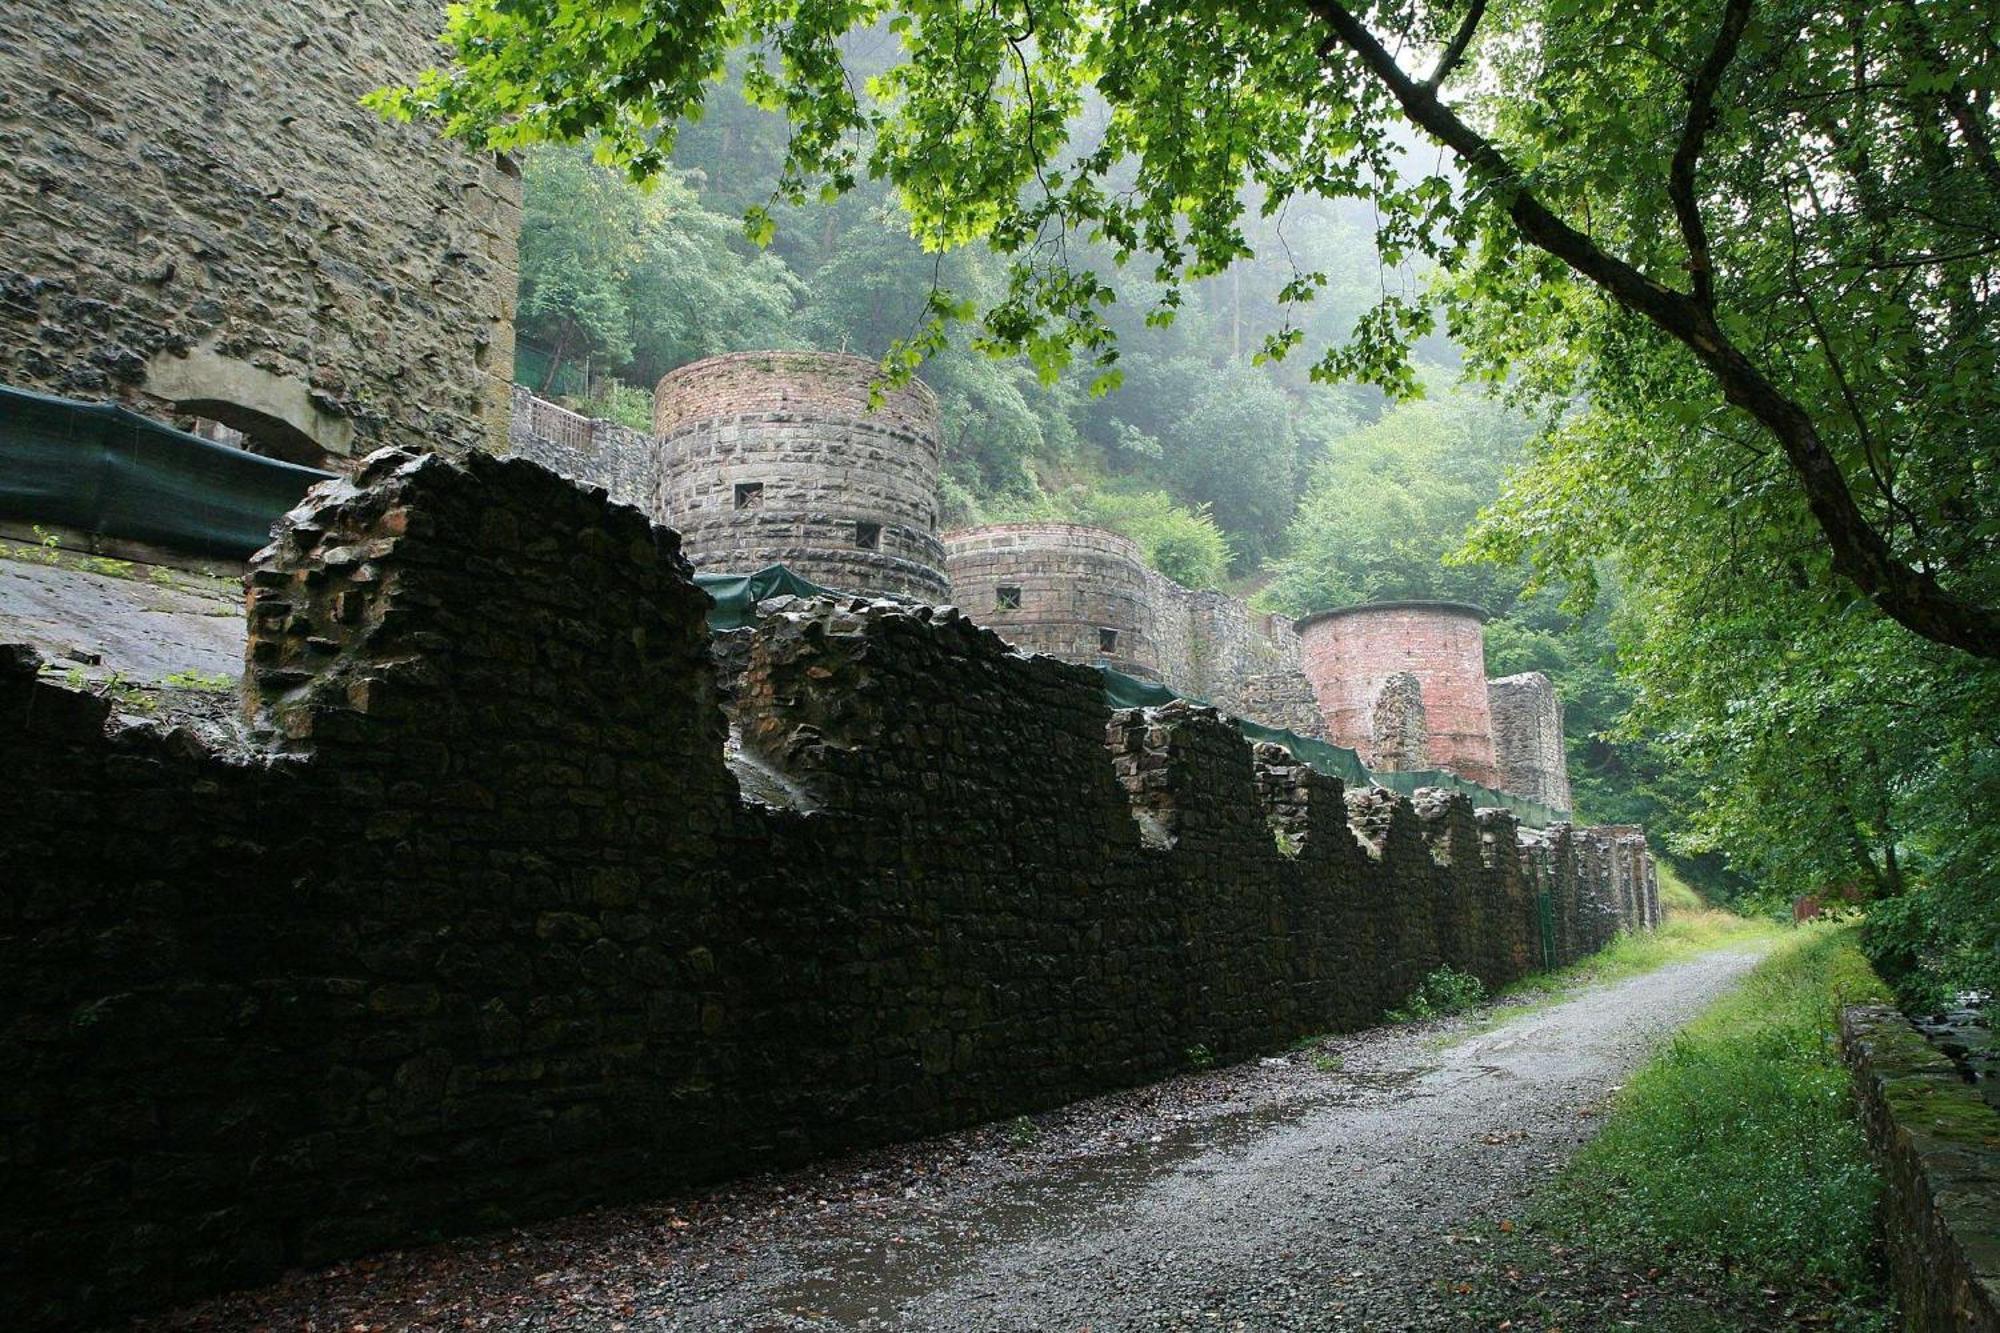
863 1274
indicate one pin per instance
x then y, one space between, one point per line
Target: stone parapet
588 450
1937 1143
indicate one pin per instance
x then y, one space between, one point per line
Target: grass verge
1732 1172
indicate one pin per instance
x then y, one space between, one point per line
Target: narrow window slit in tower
1007 599
1107 641
868 536
749 495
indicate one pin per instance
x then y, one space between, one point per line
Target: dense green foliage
1738 1146
634 282
1747 303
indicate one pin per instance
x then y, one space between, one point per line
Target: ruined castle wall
1528 738
1351 653
478 928
587 450
780 458
201 220
1213 645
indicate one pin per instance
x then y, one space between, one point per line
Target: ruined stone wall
780 458
201 220
1351 653
1213 645
1528 738
1936 1141
587 450
477 927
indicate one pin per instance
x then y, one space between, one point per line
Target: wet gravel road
1351 1184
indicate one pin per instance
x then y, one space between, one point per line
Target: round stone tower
1351 655
776 458
1071 591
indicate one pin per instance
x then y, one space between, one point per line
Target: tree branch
1694 133
1860 554
1456 51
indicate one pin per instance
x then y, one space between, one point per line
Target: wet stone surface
145 624
1964 1033
1354 1183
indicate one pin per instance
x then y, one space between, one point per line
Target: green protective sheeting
736 595
1532 813
103 469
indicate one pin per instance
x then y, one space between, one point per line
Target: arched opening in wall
253 432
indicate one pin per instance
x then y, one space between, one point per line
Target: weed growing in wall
1444 992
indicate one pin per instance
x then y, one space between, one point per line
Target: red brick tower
1350 654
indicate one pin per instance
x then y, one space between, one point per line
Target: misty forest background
1237 472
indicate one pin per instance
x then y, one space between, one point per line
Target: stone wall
587 450
1528 738
200 220
1937 1144
781 458
475 927
1350 654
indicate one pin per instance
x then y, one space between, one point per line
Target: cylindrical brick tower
1351 653
776 458
1074 592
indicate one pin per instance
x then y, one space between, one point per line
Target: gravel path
1352 1184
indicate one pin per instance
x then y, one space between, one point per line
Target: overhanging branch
1859 553
1694 133
1456 51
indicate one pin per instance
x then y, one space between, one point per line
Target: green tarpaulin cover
736 595
100 468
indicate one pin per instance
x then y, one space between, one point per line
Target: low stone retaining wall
1938 1145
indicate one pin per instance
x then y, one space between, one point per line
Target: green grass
1676 894
1682 933
1738 1147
